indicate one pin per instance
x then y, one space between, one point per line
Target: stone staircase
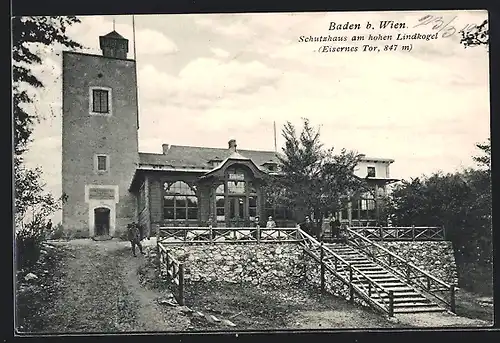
407 299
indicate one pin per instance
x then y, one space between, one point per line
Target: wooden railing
200 235
440 290
358 282
408 233
174 272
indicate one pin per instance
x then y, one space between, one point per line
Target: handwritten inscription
444 26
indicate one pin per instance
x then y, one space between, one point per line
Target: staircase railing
174 271
358 282
402 233
414 275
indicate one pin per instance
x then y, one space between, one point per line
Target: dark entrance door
101 221
238 211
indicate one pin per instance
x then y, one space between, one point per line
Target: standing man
306 226
134 236
48 227
335 226
325 225
255 224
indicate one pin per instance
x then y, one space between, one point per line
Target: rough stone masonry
276 265
437 257
283 265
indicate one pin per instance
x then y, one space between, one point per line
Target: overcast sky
204 79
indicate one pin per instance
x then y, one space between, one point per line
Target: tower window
100 100
371 171
101 163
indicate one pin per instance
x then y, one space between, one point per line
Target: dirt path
101 292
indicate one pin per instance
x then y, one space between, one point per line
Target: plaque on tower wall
102 193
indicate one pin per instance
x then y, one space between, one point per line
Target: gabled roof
238 157
199 157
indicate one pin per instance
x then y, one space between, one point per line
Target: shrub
29 239
32 208
57 232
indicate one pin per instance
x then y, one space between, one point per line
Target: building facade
107 183
368 208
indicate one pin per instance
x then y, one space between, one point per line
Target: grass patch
33 297
263 308
149 272
468 305
475 277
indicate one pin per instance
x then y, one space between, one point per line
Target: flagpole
136 79
275 145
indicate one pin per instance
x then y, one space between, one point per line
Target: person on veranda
271 224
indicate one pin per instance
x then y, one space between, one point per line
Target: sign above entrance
239 177
102 193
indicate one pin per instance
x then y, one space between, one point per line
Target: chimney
232 145
165 148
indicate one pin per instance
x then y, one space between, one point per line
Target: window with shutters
100 101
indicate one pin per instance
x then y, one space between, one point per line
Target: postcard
252 171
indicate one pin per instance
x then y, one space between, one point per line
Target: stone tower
99 139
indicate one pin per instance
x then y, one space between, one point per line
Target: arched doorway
101 221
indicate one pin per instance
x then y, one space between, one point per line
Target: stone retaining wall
435 257
276 265
282 265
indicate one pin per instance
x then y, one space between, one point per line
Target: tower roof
113 45
114 34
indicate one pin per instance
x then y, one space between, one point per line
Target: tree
32 204
312 180
485 159
462 203
479 35
31 200
28 33
437 200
